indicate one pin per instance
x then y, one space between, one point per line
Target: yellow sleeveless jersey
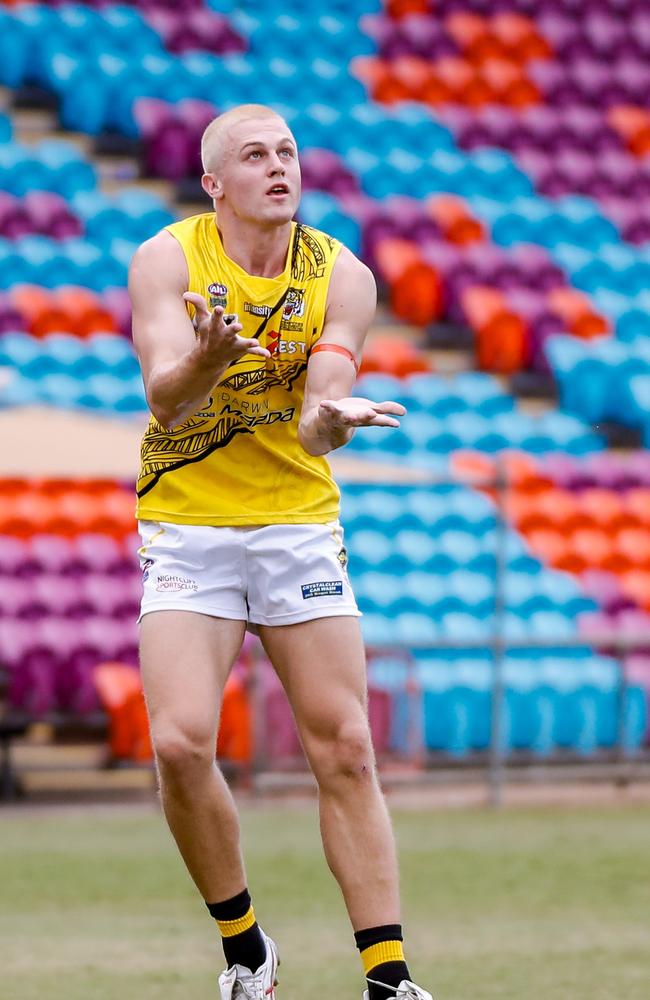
237 460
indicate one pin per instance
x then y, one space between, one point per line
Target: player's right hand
220 342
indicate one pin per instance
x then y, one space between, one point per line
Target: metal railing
499 645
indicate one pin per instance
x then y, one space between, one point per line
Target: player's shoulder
160 259
351 271
165 244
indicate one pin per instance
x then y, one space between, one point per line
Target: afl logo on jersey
218 294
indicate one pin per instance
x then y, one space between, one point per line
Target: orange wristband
337 349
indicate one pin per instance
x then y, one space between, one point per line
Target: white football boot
239 983
405 991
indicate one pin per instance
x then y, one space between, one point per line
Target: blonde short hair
215 136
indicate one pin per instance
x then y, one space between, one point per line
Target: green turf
521 905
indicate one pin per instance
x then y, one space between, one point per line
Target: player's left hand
354 411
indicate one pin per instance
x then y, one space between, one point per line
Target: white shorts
278 574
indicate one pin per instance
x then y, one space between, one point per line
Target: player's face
260 174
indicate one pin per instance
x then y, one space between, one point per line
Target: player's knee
347 754
180 750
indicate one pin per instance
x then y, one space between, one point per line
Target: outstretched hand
354 411
220 341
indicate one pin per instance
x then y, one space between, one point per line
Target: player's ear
212 186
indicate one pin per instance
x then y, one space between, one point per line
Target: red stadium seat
633 125
575 311
454 220
85 311
40 311
519 37
501 341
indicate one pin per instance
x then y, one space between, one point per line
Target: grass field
520 905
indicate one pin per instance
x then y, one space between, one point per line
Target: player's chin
279 212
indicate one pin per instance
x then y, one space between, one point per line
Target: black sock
383 959
241 937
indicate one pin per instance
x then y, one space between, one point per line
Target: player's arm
181 361
329 414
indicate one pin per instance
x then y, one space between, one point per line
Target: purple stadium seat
427 36
279 735
50 215
323 170
167 140
195 28
13 554
606 590
10 318
638 467
535 266
95 553
380 716
18 599
610 471
113 597
51 553
117 301
196 115
63 596
553 81
537 127
33 662
14 218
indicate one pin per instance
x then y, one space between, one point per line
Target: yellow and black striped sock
241 937
382 954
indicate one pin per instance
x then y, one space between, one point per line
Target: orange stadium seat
501 342
636 584
235 738
38 308
561 510
575 310
554 548
637 504
605 508
86 313
468 30
402 8
454 220
414 73
416 288
472 467
72 513
120 692
395 256
509 83
634 545
393 356
596 548
633 125
519 37
26 514
463 82
417 296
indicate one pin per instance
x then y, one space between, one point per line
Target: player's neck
261 252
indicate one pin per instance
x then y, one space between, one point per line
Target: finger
382 421
390 407
260 351
199 304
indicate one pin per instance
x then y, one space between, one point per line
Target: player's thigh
185 659
322 666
